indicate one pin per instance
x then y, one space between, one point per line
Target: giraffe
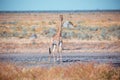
56 42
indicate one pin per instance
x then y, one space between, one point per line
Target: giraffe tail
49 50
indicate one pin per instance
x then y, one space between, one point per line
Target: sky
22 5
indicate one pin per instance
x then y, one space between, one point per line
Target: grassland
76 71
41 46
98 31
87 25
91 32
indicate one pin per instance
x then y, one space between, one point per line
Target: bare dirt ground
42 60
22 52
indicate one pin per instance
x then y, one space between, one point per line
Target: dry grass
71 72
70 45
44 19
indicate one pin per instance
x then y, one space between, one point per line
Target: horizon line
58 10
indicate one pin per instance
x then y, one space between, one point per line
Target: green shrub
113 28
50 32
14 22
24 32
93 28
3 22
116 34
83 36
68 34
15 34
79 27
104 33
64 34
115 31
5 34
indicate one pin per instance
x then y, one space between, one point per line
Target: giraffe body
56 43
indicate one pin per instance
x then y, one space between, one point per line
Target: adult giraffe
56 42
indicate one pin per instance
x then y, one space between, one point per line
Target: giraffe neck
58 35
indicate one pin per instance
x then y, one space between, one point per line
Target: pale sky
13 5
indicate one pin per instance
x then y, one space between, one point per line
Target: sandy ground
35 59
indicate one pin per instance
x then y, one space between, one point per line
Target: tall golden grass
75 71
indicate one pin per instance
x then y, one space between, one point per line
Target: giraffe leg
60 54
53 54
50 54
60 51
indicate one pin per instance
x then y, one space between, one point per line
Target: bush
93 28
64 34
3 22
51 32
6 34
15 34
83 36
51 22
115 31
24 32
114 28
68 34
79 27
104 34
33 28
116 34
12 23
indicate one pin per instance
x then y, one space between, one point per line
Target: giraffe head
61 18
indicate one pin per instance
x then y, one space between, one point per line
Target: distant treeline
59 11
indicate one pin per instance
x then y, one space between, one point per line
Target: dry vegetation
92 32
87 25
41 46
75 71
100 30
